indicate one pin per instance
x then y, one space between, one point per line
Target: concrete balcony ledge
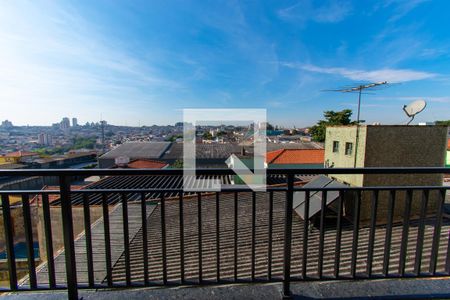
432 288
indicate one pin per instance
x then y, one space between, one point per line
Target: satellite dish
413 108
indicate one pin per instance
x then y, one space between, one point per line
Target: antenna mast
358 89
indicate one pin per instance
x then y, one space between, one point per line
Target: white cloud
390 75
327 12
402 7
55 63
433 99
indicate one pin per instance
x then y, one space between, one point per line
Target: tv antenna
413 108
358 89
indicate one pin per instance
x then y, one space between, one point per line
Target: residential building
6 124
18 157
45 139
387 146
133 151
65 123
74 122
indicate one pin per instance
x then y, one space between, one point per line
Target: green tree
445 123
178 164
207 135
331 118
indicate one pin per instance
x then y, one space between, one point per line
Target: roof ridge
281 151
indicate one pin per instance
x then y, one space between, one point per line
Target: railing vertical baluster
181 213
217 238
437 233
9 240
107 237
322 232
388 237
29 240
48 241
288 236
405 233
126 239
163 237
235 236
200 252
357 209
421 232
269 250
305 236
373 223
144 237
69 244
253 235
337 253
87 230
447 259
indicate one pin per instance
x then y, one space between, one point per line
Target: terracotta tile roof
271 155
146 164
296 156
20 154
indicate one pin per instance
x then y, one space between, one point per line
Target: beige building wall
346 134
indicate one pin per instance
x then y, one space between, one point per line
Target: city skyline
141 63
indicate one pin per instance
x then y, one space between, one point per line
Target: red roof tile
296 156
20 154
270 156
146 164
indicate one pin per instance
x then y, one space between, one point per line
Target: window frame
335 147
347 148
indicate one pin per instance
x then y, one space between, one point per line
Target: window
335 146
348 148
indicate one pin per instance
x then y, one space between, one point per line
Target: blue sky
141 62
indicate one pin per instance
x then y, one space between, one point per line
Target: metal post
69 246
359 104
357 127
288 238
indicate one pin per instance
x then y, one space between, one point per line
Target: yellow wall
9 160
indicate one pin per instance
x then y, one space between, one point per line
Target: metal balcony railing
129 237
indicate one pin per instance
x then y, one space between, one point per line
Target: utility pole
102 123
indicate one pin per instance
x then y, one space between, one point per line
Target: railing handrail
226 189
289 188
294 171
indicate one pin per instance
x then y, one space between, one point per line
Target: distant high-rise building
45 139
7 124
65 123
74 122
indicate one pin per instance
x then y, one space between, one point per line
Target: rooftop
135 150
146 164
296 156
20 154
244 243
